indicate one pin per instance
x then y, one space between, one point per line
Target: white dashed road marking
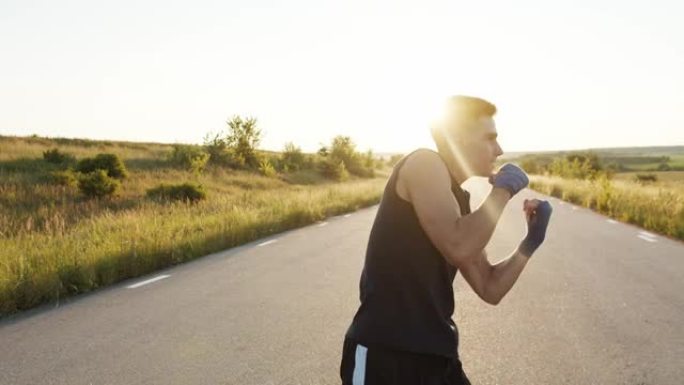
347 216
155 279
612 222
322 224
645 238
647 234
267 242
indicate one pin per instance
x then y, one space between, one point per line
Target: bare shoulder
424 171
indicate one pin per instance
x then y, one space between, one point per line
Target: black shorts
363 365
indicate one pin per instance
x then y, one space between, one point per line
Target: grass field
54 243
657 206
626 159
664 178
676 162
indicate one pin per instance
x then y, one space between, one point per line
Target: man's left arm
500 278
503 276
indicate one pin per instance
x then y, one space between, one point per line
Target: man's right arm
457 237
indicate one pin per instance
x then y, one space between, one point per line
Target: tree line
235 148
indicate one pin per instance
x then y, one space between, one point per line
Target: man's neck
457 173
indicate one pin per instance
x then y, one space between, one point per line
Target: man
423 234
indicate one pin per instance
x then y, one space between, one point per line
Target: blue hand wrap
536 229
510 177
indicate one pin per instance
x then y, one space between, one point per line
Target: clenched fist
510 177
537 213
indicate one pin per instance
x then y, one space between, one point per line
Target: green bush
55 156
589 157
266 168
605 194
394 159
664 167
342 149
614 167
217 148
304 177
191 158
111 163
292 158
187 192
236 160
333 169
323 151
572 169
369 164
645 178
531 166
97 184
64 177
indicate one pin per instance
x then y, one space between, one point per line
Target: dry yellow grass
658 207
54 243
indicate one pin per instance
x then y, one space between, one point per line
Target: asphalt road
600 303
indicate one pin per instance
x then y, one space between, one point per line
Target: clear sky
563 74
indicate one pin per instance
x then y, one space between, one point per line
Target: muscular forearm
503 275
475 229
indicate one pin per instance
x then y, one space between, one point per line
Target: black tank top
406 287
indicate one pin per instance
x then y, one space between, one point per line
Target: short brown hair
463 109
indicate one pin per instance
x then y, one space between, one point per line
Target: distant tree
292 158
343 149
243 139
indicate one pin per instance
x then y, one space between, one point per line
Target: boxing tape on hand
537 223
511 178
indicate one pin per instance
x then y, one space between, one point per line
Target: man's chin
488 174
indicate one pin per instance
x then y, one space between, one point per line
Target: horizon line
374 151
